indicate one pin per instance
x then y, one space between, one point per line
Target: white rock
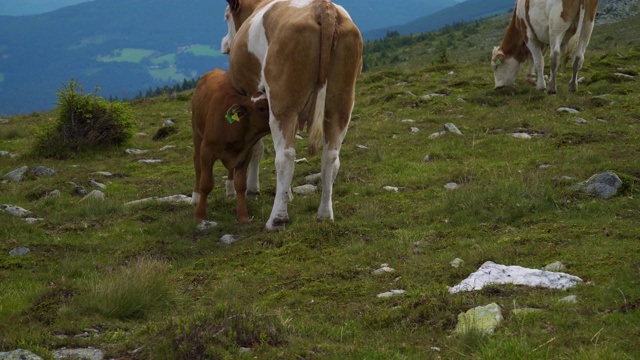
391 293
571 299
14 210
229 239
408 121
359 146
556 266
452 186
33 220
307 189
430 96
491 273
95 194
7 153
168 123
97 184
451 127
84 354
521 135
136 151
299 137
313 178
205 225
297 161
580 121
437 134
383 270
482 318
393 188
178 199
165 148
567 109
457 262
150 161
103 173
414 129
623 76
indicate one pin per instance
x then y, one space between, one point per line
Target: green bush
84 122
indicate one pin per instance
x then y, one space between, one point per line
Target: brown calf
226 126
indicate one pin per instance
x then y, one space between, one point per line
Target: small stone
567 109
452 186
545 166
461 100
303 160
103 173
482 318
307 189
391 293
168 123
521 135
623 76
571 299
452 128
604 185
4 121
206 225
359 146
556 266
580 121
427 158
33 220
430 96
229 239
408 121
384 269
393 188
42 171
15 210
20 251
244 350
17 174
95 194
150 161
457 262
414 129
136 151
7 153
165 148
97 184
437 134
313 178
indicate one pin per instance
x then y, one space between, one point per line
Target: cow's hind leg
253 173
282 131
240 183
206 182
195 196
229 184
578 60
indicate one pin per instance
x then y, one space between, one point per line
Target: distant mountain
464 12
33 7
129 46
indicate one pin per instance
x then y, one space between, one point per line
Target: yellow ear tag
233 118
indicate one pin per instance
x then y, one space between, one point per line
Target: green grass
146 278
127 55
204 50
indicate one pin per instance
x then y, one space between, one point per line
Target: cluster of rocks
487 317
610 11
81 354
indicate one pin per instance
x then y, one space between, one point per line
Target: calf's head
505 68
252 112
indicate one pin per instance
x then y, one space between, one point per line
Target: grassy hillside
143 282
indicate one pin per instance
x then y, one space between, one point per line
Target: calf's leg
206 182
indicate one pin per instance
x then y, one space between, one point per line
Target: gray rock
103 173
4 121
229 239
14 210
80 354
391 293
7 153
42 171
604 185
556 266
430 96
150 161
97 184
20 251
313 178
136 151
426 158
568 109
414 129
307 189
407 121
19 354
457 262
452 128
95 194
360 146
623 76
165 148
452 186
33 220
176 199
168 123
437 134
521 135
54 194
384 269
205 225
483 319
571 299
17 174
580 121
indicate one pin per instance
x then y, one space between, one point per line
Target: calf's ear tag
498 62
233 118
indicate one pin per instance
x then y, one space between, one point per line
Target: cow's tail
327 19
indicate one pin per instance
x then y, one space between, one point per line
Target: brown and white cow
540 24
305 55
227 126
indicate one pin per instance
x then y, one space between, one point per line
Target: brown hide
215 138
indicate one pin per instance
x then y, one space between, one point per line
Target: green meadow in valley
143 282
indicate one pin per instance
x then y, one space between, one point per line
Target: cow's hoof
277 224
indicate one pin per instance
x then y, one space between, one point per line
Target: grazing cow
305 55
227 126
536 25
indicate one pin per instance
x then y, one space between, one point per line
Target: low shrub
84 121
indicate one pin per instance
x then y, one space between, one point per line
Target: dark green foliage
84 122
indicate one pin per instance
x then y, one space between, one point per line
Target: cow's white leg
538 61
578 59
285 160
330 167
253 177
230 188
